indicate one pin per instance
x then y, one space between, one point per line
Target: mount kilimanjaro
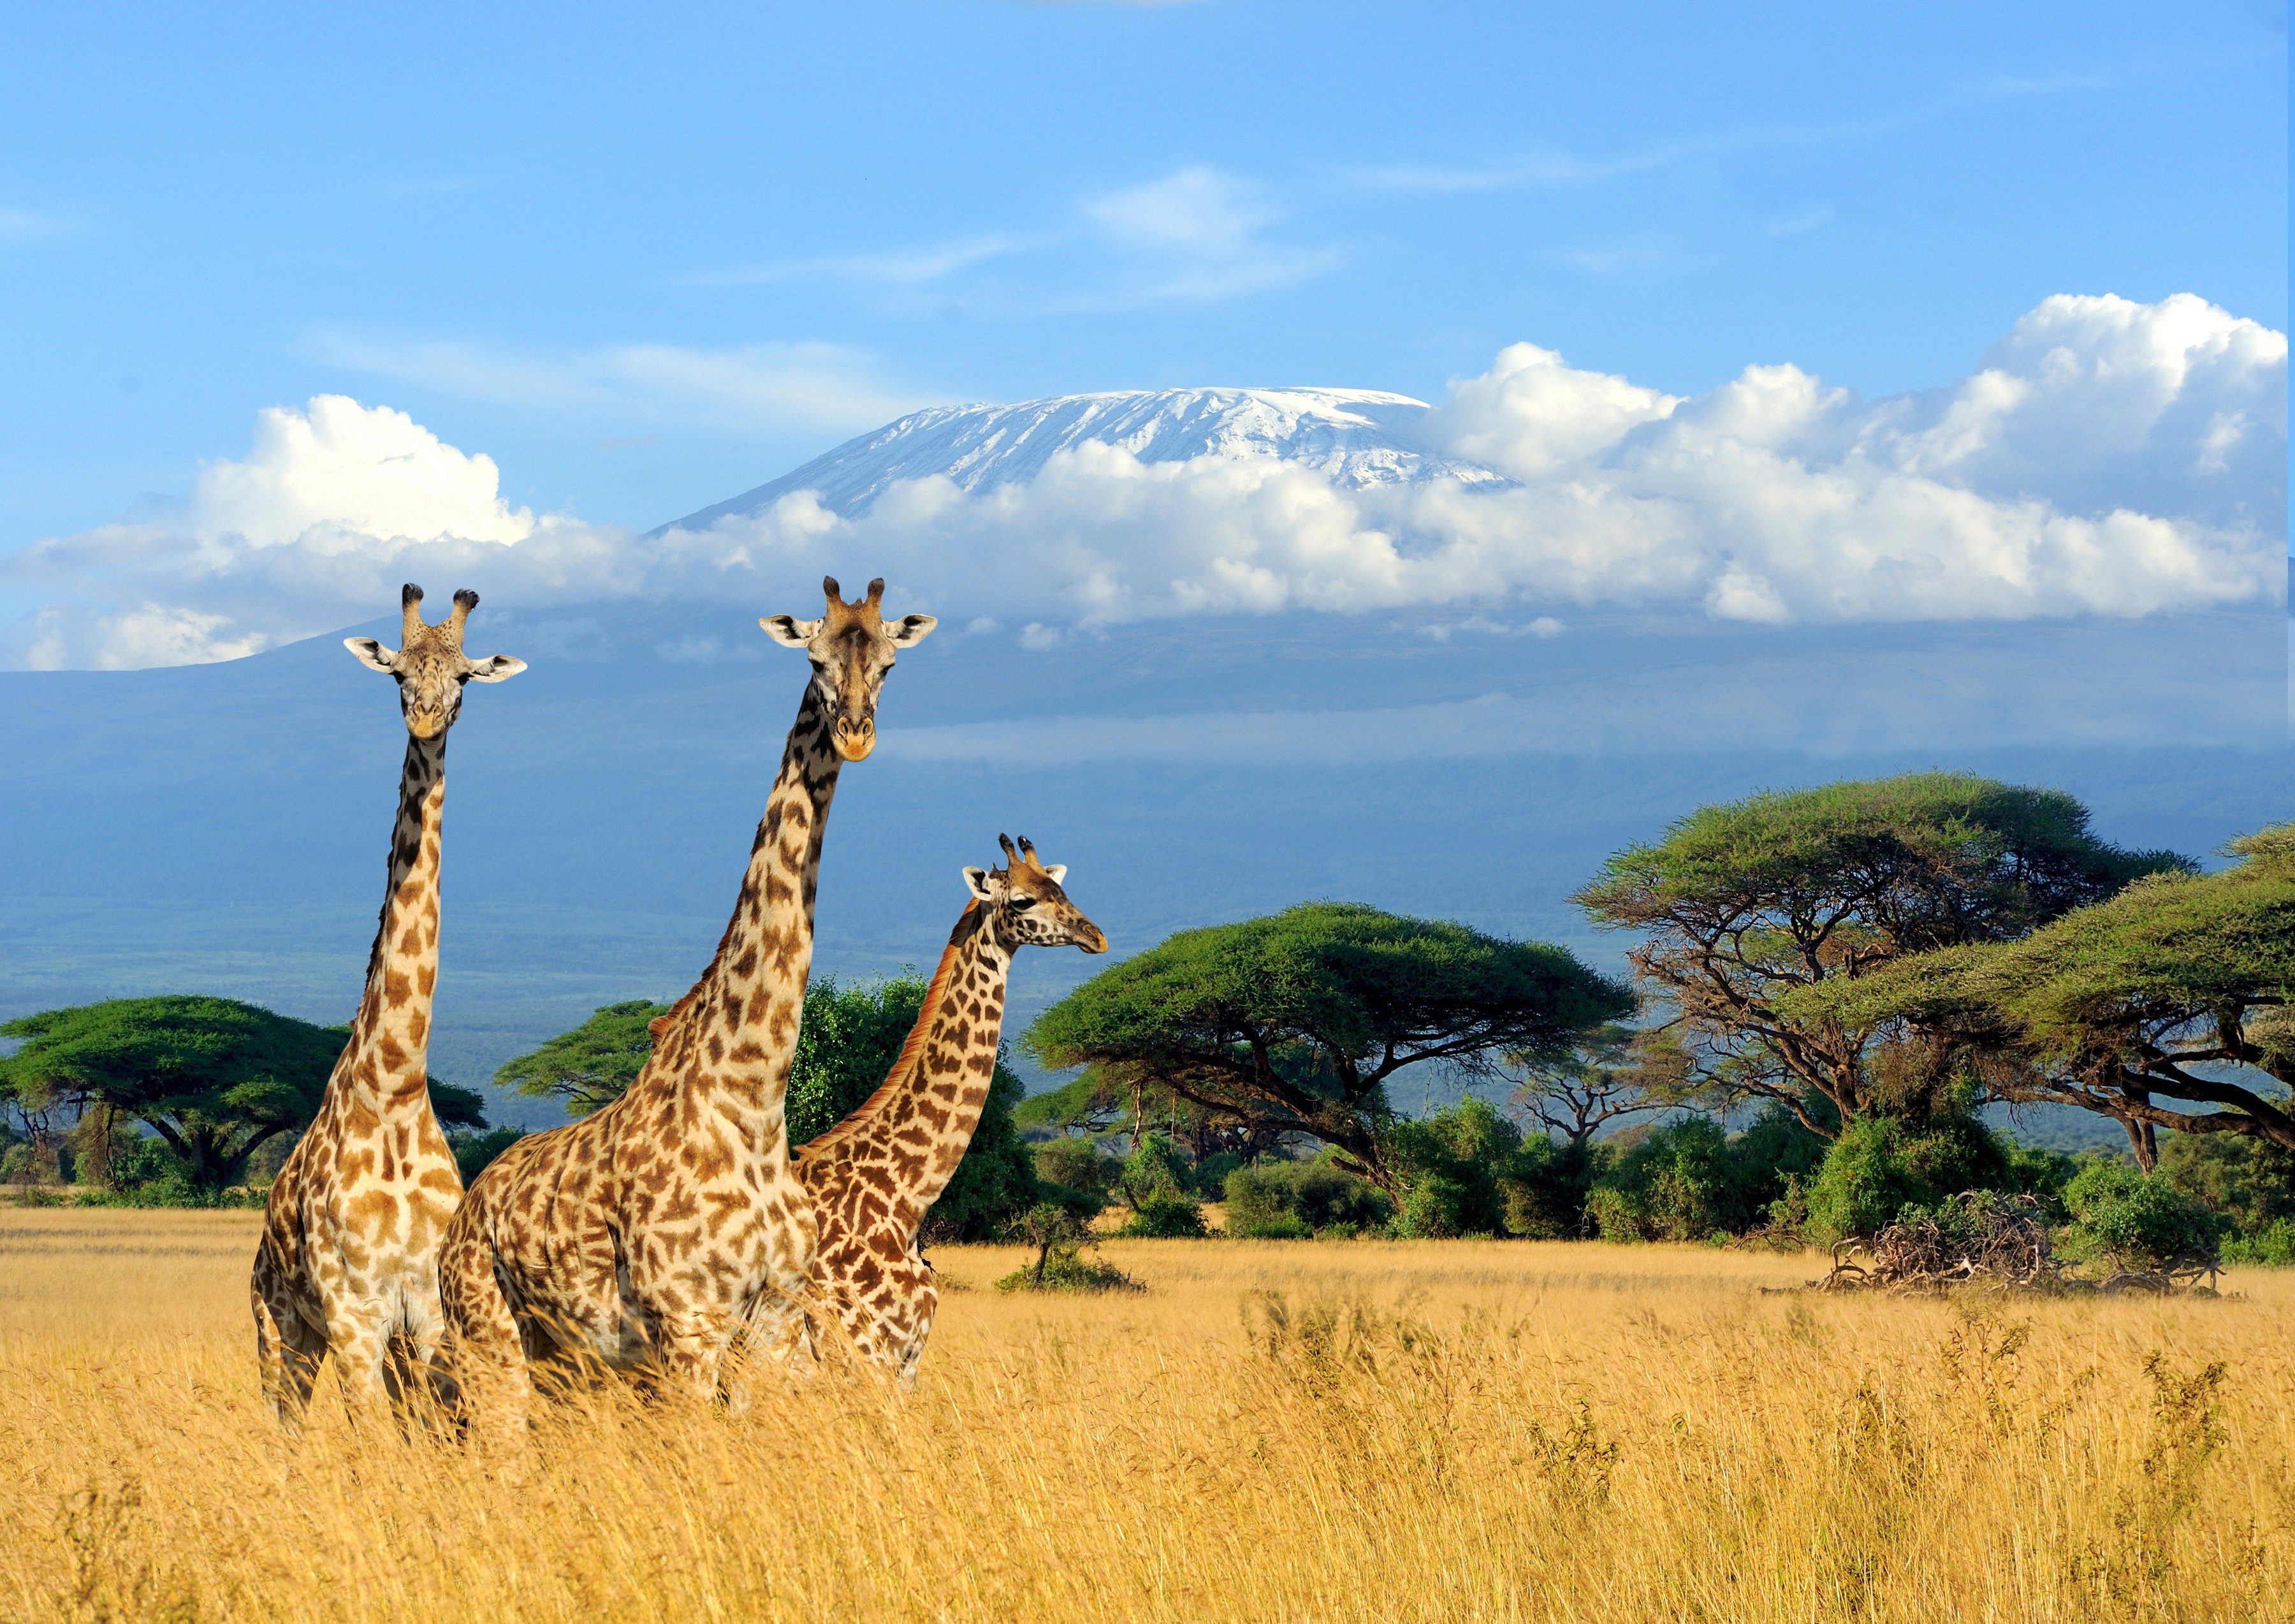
1356 438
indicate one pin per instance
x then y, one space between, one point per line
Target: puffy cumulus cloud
2107 458
357 472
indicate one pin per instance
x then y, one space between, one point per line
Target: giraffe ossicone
646 1235
875 1176
348 1263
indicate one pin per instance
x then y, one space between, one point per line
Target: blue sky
645 262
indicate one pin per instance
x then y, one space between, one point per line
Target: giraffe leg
286 1349
486 1360
362 1349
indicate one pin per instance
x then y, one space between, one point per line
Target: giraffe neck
736 1030
939 1086
390 1037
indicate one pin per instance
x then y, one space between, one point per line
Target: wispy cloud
1643 254
1800 222
781 385
28 225
1553 166
895 267
1196 235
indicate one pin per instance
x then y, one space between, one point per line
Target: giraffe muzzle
854 738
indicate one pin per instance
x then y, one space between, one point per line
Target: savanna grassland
1300 1431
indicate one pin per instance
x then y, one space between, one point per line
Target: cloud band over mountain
2106 458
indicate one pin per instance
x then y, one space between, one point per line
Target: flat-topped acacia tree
1296 1022
2170 1005
1742 905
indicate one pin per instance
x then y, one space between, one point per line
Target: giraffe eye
1022 903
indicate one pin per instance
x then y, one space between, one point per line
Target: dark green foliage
1450 1165
2139 1220
1285 1200
1743 906
2271 1247
592 1065
473 1150
1154 1168
1168 1215
1073 1163
851 1034
2167 1005
1208 1177
1294 1022
2250 1182
1676 1183
214 1078
1881 1165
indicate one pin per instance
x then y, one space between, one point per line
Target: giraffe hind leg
486 1349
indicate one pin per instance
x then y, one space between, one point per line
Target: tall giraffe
349 1261
642 1235
875 1175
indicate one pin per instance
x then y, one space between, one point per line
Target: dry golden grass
1446 1431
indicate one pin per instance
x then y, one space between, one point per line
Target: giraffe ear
789 631
1058 871
496 668
911 630
977 880
371 654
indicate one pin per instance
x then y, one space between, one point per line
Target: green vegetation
592 1065
1294 1023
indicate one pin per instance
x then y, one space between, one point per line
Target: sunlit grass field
1310 1431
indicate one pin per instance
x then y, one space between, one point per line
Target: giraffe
875 1175
641 1236
348 1260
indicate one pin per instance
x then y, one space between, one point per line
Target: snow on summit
1355 438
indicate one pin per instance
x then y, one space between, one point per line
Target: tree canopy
2170 1005
212 1077
1615 1073
1741 904
1296 1021
593 1063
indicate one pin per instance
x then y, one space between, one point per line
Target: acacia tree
1615 1072
214 1078
2171 1005
1296 1022
1741 904
1108 1097
593 1063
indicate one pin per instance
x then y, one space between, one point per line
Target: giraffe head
430 664
1025 906
851 646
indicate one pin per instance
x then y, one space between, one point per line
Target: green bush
1450 1165
1879 1166
2141 1221
1073 1163
1167 1216
2271 1247
2251 1181
1292 1200
1674 1183
1156 1167
1209 1174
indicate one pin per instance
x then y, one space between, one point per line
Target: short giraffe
349 1261
875 1175
643 1235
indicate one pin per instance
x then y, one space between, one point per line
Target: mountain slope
1355 436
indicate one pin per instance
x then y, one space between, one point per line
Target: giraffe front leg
486 1353
286 1349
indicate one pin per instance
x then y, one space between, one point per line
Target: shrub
1076 1164
1167 1216
2139 1220
1210 1176
1674 1183
1450 1165
2251 1181
1156 1167
1058 1236
1287 1200
2271 1247
1880 1165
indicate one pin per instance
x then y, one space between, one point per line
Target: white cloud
894 267
750 386
2107 459
28 225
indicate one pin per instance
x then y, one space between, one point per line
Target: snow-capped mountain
1354 436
